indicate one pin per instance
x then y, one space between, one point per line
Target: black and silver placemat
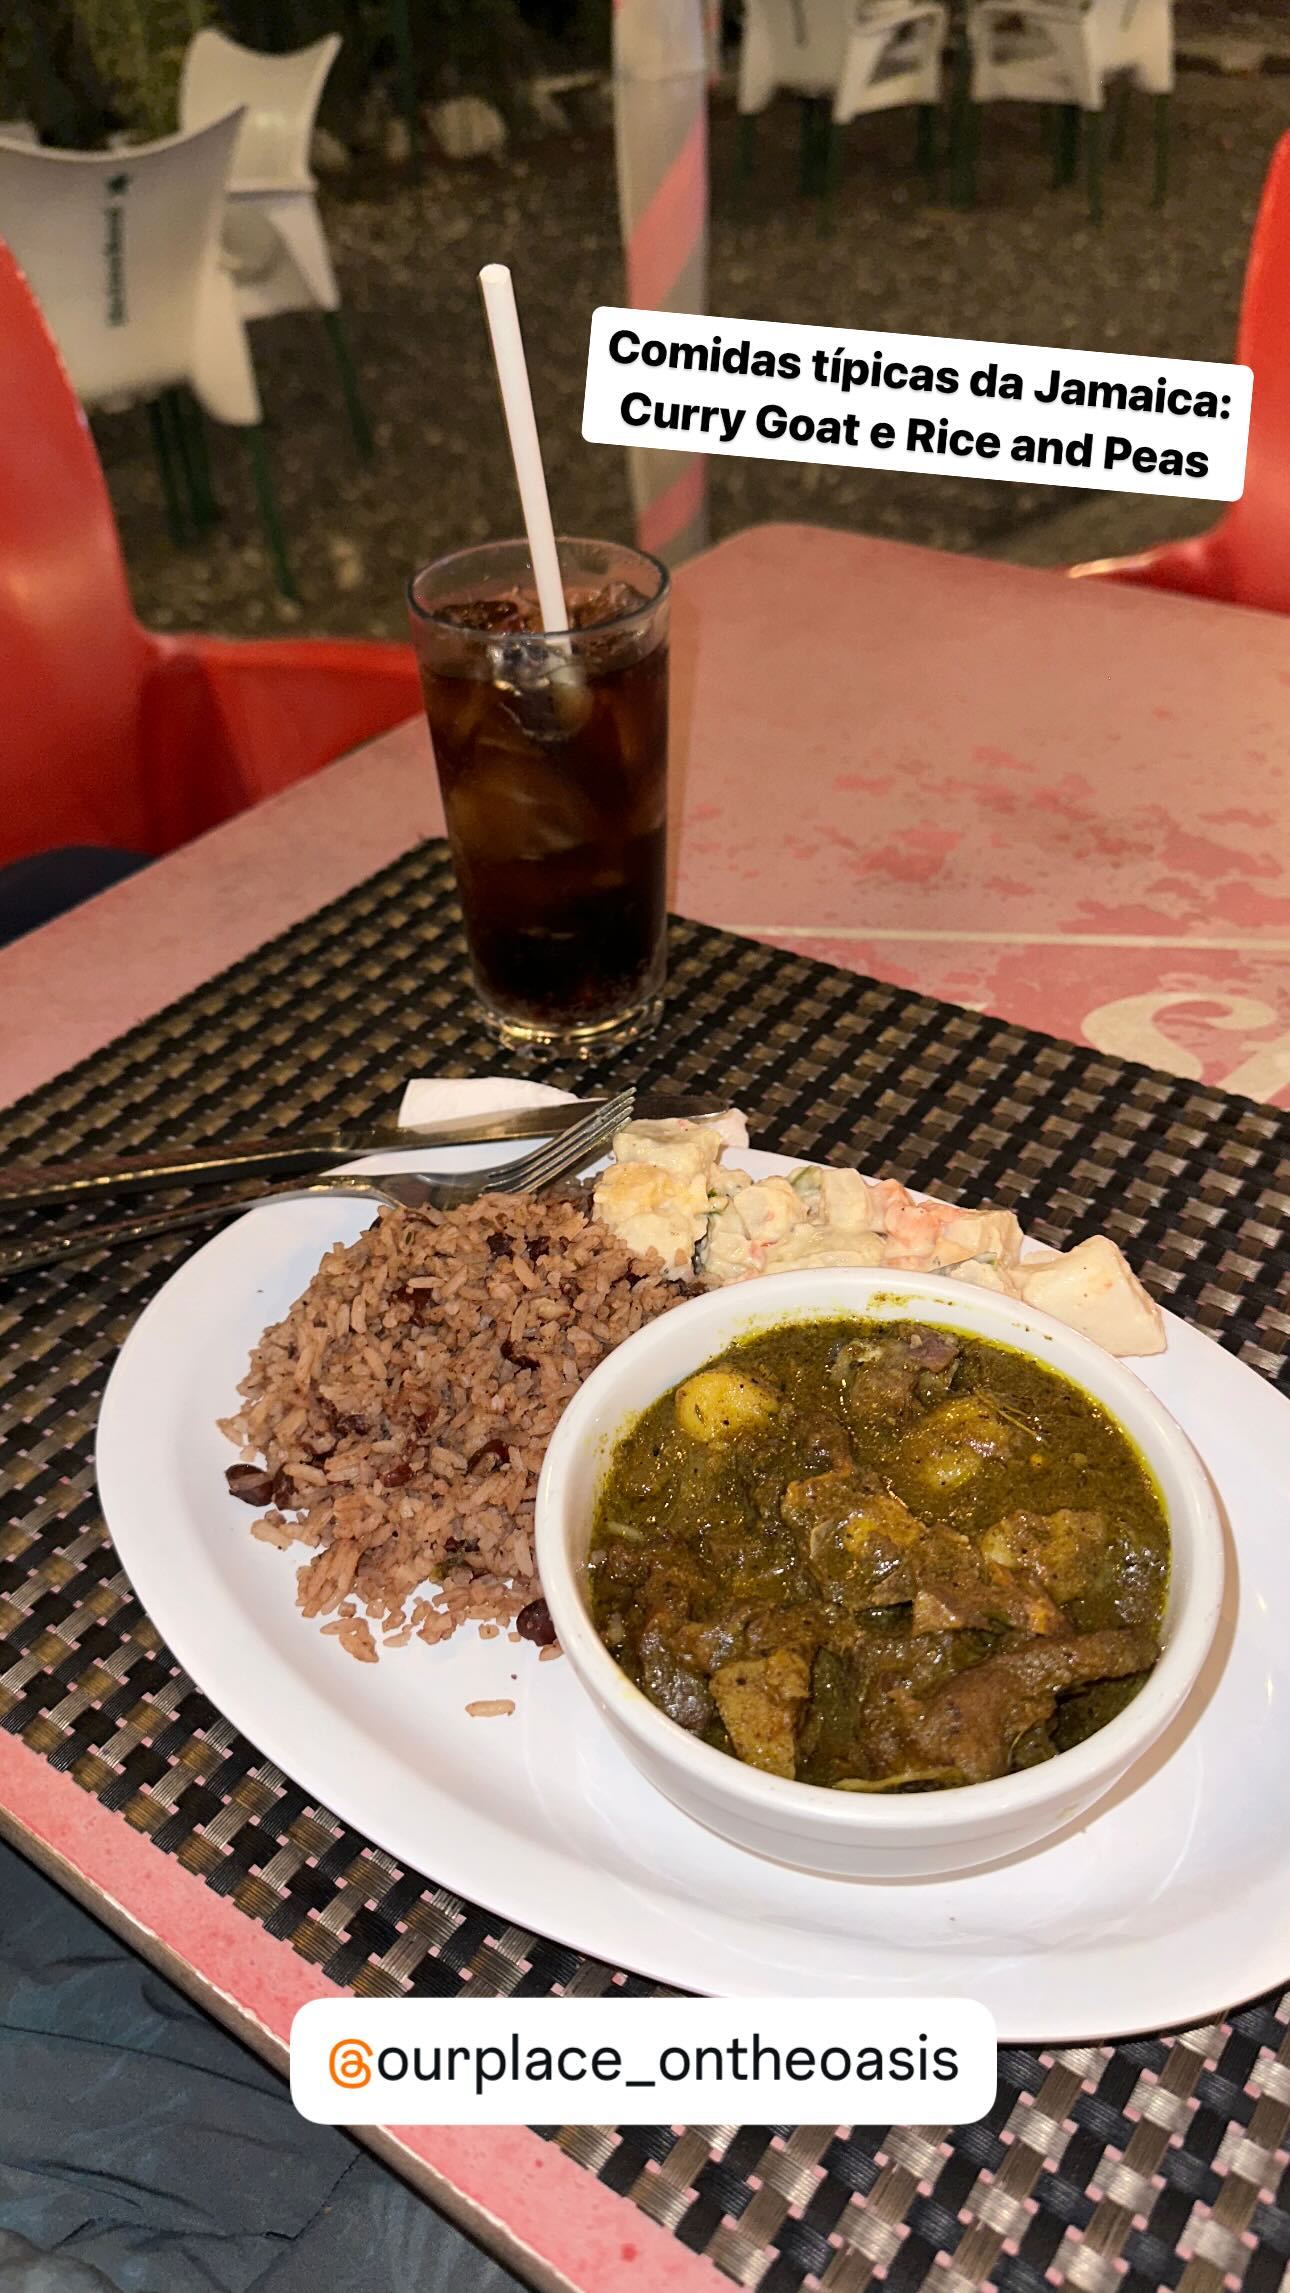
1158 2162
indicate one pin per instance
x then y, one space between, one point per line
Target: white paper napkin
437 1099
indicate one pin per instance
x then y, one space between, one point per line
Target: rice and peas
396 1420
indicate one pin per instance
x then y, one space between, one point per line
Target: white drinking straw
517 406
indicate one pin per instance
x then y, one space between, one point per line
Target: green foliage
459 46
78 69
470 47
48 75
137 48
579 30
81 68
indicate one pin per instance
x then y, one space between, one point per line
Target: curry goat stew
880 1556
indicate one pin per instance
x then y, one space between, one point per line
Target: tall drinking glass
551 749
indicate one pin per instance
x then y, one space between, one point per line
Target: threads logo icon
350 2062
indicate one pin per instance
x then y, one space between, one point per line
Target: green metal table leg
1095 148
175 521
358 418
268 501
1163 125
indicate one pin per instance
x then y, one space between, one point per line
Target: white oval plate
1167 1905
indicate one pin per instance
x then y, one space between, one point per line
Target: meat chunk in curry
881 1556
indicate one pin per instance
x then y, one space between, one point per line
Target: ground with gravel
1024 266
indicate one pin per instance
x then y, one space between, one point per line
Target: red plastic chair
112 735
1245 558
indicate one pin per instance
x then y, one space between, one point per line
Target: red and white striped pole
661 135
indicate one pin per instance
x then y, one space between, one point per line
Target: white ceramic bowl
915 1836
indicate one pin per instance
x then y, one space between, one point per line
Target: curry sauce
880 1556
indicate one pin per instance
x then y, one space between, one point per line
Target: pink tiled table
1065 803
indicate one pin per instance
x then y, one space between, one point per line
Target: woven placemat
1157 2162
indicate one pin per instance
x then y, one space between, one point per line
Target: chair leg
1066 161
965 133
192 423
820 148
401 26
200 504
830 165
747 148
268 501
964 130
926 148
806 148
1095 148
175 521
1120 107
1163 124
358 420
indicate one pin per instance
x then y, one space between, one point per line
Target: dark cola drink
551 751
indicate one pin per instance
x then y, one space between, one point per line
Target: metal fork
400 1190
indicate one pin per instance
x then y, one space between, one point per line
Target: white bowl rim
1072 1775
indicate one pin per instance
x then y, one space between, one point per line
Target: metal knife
33 1186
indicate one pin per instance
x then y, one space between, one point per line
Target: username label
641 2061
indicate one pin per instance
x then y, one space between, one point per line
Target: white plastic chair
122 252
274 245
861 55
18 131
1065 52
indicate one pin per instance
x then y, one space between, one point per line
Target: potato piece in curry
880 1556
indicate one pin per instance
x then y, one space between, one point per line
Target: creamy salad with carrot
670 1189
